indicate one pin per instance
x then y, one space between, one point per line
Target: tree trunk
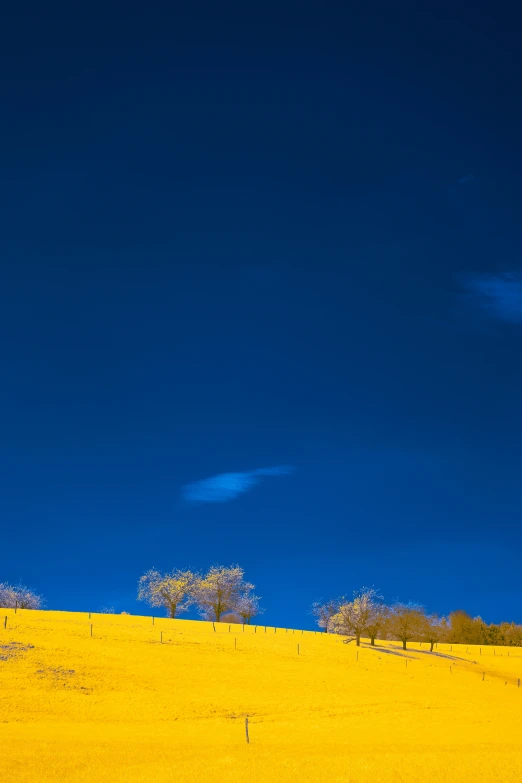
431 648
372 641
404 644
172 611
358 640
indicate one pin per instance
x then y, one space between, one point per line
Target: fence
163 631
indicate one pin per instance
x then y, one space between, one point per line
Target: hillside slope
166 700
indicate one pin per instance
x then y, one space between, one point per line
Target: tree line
222 595
366 614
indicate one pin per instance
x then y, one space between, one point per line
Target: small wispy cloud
227 486
498 295
464 180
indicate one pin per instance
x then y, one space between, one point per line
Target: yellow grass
122 707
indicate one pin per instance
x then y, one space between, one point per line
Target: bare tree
247 606
106 610
324 612
376 622
406 622
435 629
353 616
13 596
220 591
173 591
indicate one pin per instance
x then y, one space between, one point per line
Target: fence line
103 627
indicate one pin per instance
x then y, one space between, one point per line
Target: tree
19 596
494 635
353 616
465 629
435 629
247 606
406 621
376 622
324 612
512 633
220 591
173 591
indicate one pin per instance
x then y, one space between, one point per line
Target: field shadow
411 653
444 655
379 648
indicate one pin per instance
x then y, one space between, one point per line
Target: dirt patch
13 650
56 673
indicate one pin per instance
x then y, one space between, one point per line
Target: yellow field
123 706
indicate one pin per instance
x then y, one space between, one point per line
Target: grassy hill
166 701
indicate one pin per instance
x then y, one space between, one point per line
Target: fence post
518 682
235 642
5 622
16 606
91 629
153 621
246 730
214 626
483 676
161 637
229 628
298 649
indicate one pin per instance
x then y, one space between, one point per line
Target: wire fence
250 638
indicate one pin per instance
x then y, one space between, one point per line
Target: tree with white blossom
19 596
220 591
353 617
174 591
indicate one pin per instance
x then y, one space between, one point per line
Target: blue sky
261 303
500 295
